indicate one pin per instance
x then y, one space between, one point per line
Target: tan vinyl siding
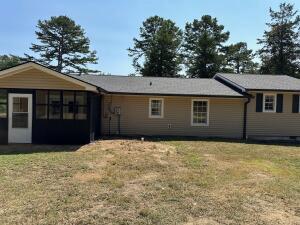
273 124
36 79
225 117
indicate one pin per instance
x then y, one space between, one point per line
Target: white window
156 108
200 112
269 103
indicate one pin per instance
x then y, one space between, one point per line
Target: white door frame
19 135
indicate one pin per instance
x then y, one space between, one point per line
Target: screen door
20 118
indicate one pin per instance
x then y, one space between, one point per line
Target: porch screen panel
81 106
68 105
41 104
54 105
3 104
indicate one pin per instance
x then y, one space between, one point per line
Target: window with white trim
156 108
200 112
269 103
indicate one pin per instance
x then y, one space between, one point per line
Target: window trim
162 108
192 113
275 102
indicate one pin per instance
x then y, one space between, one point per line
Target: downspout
119 124
245 118
110 114
109 119
240 90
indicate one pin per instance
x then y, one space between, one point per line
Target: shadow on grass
12 149
210 139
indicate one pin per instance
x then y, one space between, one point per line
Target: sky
112 24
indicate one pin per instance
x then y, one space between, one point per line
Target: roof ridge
160 85
252 74
140 77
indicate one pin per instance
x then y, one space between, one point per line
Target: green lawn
161 182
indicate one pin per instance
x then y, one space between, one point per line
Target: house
39 105
273 108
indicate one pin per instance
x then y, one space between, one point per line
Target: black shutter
279 103
259 102
295 103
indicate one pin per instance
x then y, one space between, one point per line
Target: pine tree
157 51
7 61
239 59
63 46
280 53
203 42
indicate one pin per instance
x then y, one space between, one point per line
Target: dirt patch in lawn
219 163
202 221
283 216
273 213
127 146
86 177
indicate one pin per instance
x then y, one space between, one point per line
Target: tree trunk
238 66
60 55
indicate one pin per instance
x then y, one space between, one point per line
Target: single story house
39 105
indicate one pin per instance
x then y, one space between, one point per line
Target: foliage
63 46
280 53
203 41
158 46
239 59
7 61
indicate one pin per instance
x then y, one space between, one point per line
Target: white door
19 118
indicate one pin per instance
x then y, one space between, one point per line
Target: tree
7 61
280 53
203 41
238 58
63 46
158 48
252 68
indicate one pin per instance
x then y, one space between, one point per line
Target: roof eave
274 90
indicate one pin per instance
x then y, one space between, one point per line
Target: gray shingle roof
263 82
159 86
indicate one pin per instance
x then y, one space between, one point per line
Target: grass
160 182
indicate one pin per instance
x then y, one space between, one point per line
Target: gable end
35 76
